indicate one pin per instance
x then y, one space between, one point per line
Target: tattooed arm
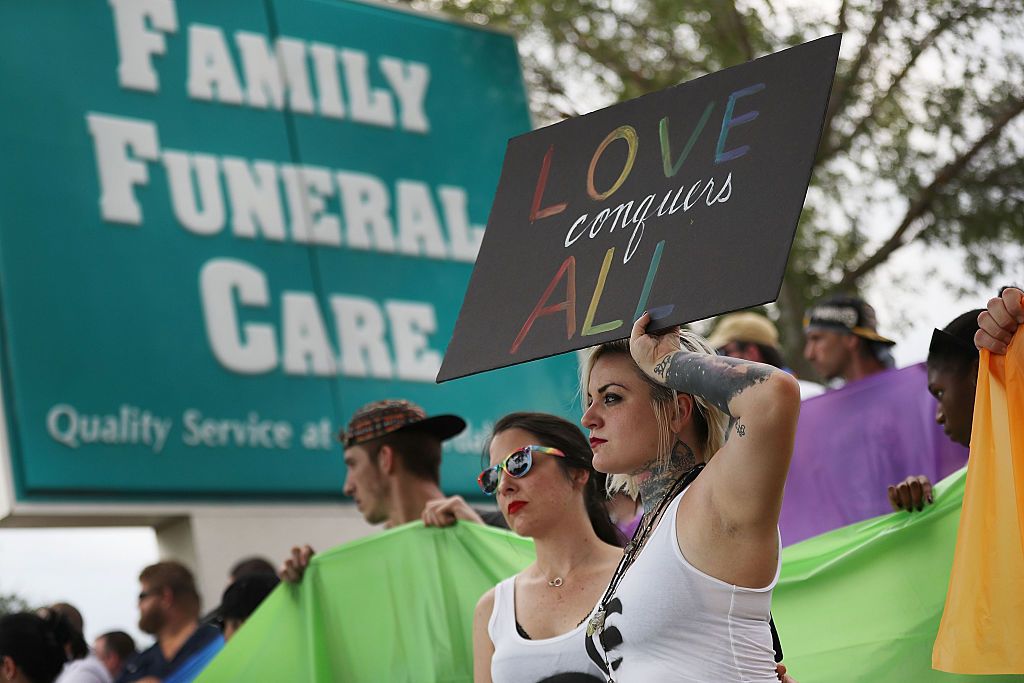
724 382
748 474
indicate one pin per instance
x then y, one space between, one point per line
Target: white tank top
561 659
669 621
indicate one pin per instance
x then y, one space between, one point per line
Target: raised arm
748 474
998 324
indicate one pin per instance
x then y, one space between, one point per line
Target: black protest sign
683 202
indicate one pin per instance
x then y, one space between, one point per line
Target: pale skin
555 517
738 497
10 670
838 354
385 492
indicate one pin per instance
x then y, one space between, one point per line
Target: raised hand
651 352
998 324
295 565
446 511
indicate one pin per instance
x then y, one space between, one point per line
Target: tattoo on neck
719 379
657 480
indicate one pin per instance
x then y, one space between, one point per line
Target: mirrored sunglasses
517 464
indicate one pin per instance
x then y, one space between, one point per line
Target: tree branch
845 86
741 31
945 24
920 206
841 20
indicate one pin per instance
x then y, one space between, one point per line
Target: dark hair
120 643
67 620
176 577
420 452
770 355
36 644
557 433
952 347
242 597
251 565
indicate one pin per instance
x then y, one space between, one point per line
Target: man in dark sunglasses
393 463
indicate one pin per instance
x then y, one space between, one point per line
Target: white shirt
669 621
89 669
519 660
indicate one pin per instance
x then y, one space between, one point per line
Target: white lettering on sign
253 432
129 426
411 325
307 189
701 191
280 202
256 203
119 173
137 42
274 76
386 342
248 349
194 180
211 71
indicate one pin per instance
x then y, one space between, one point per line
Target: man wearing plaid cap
842 341
393 458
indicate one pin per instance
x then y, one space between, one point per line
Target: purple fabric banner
853 442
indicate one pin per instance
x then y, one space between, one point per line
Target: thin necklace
629 555
557 581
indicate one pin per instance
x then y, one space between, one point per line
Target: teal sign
225 226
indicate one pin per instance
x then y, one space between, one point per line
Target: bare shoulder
485 605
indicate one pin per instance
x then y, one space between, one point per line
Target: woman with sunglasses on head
690 600
530 627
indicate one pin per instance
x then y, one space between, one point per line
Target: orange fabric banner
982 627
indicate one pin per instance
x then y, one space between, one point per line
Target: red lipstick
595 442
515 506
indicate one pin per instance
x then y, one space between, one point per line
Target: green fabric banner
394 607
863 603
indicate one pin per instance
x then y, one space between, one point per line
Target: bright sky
96 570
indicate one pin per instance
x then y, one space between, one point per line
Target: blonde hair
711 422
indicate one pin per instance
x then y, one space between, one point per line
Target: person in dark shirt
169 610
115 649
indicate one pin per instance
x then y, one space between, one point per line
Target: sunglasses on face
517 464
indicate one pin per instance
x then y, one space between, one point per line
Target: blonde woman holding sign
690 600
